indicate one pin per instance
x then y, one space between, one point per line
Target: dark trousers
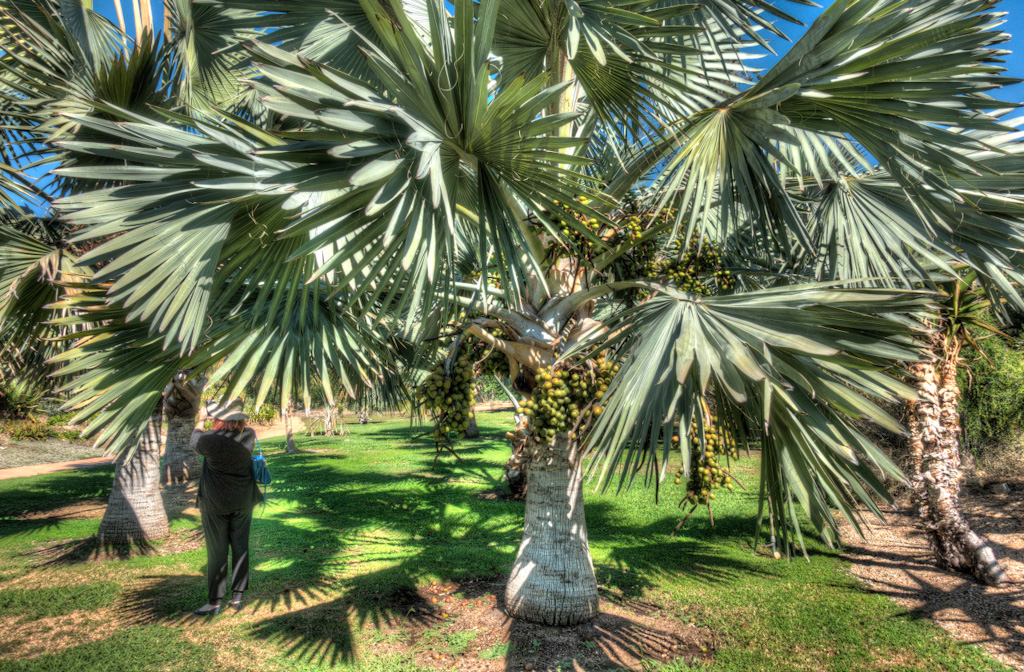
225 530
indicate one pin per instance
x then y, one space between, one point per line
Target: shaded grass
354 525
34 603
142 649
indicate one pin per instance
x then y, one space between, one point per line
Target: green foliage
992 404
267 414
488 388
452 642
59 419
19 398
499 650
34 429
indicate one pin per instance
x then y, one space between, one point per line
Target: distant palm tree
59 59
292 237
182 400
934 424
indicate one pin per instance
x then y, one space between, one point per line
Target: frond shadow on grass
39 503
337 549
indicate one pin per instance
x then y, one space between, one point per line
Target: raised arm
198 431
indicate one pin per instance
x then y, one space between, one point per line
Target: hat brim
230 417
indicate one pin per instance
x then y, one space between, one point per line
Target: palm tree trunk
935 455
289 441
135 512
181 405
472 432
552 580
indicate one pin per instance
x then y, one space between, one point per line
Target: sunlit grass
352 522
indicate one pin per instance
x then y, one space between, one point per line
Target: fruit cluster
449 393
494 363
688 269
632 223
708 468
582 244
566 398
630 227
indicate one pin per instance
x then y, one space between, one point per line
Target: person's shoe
207 610
235 604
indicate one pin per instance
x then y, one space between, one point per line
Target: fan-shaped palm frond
791 366
35 265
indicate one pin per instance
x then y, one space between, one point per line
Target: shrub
35 429
489 389
59 419
992 405
266 415
18 398
31 429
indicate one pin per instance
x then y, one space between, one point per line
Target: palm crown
395 168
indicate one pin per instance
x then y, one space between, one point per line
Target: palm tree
284 238
58 60
934 424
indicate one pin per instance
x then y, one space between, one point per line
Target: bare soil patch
85 508
20 453
896 560
29 638
464 626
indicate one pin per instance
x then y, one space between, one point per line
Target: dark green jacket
227 483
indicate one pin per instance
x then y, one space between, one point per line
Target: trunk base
552 580
963 550
135 512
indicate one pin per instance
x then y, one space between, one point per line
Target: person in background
227 495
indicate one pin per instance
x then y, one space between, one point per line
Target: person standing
227 495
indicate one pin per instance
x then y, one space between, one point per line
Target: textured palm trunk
472 432
182 399
289 441
553 579
935 459
135 512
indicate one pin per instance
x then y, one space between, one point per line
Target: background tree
57 59
934 424
182 401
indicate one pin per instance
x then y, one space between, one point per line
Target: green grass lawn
356 523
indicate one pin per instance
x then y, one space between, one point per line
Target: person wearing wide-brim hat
227 494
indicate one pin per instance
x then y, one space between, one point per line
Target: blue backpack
260 470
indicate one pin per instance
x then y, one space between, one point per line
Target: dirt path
895 560
36 469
